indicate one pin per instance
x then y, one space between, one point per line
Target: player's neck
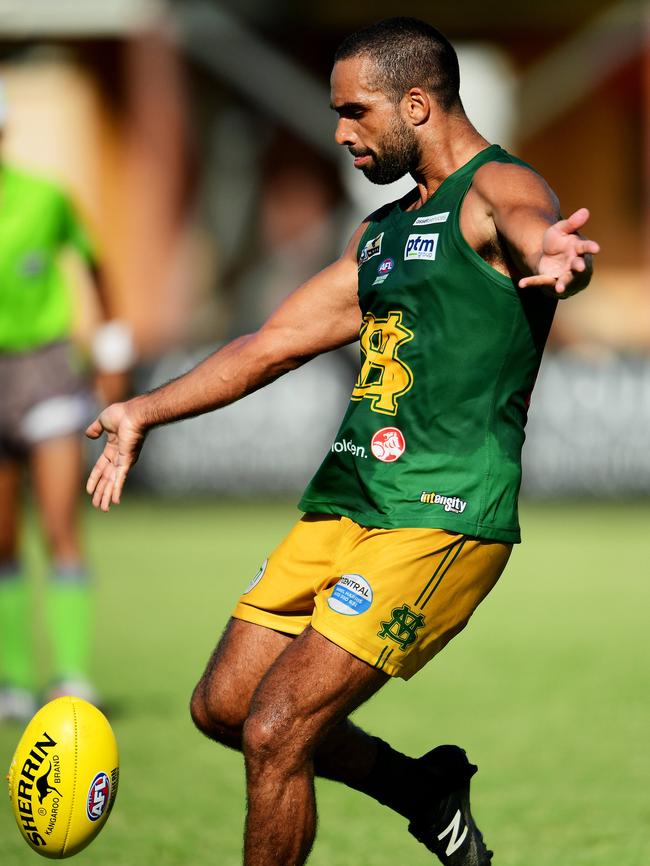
451 144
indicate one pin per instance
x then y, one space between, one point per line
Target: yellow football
63 777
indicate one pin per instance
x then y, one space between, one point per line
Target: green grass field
548 689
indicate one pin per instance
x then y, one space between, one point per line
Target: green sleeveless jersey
450 350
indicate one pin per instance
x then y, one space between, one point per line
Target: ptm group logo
421 247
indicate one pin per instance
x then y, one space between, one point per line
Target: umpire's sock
69 619
16 661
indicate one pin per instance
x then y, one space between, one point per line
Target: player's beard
397 153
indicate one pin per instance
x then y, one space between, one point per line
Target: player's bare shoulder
498 191
492 184
498 185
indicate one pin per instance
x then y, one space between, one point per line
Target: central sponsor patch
351 595
421 247
388 444
371 248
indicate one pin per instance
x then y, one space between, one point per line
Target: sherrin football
63 777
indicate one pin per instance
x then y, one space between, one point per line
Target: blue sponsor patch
351 596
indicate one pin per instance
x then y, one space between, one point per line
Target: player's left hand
124 440
565 264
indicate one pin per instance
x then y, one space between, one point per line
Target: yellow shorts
391 597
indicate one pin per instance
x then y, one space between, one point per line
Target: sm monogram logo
383 378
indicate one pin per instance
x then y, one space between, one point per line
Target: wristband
113 348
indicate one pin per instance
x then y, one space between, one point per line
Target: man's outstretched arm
321 315
549 251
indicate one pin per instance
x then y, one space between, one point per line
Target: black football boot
444 824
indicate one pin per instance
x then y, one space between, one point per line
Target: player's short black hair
407 53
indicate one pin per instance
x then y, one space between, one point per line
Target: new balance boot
445 824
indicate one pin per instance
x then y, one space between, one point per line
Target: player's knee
273 736
211 718
259 740
202 717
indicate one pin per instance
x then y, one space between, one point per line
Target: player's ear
416 103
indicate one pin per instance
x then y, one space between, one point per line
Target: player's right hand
124 439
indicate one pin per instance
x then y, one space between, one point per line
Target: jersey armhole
469 253
362 240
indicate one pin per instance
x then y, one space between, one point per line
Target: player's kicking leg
235 686
310 687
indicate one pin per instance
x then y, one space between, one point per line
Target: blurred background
196 139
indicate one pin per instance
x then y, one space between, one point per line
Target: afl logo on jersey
388 444
383 271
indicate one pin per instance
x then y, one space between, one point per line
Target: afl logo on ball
388 444
98 796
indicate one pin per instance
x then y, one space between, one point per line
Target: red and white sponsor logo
388 444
